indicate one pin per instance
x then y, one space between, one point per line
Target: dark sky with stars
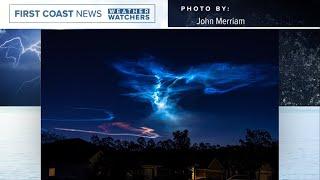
80 84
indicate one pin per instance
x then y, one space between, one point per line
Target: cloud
128 130
162 89
141 131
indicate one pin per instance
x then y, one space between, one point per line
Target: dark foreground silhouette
256 157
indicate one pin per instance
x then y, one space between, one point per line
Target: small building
150 171
66 159
264 172
144 172
214 171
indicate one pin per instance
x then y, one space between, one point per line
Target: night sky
82 88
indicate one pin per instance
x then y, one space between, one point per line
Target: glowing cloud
107 128
161 88
144 132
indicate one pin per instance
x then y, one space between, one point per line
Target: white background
20 143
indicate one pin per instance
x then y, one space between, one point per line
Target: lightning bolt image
156 85
14 49
26 83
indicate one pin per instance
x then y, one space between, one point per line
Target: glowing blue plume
161 88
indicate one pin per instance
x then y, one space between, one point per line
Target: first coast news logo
82 13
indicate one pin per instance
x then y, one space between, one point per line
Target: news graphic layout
159 90
20 63
159 104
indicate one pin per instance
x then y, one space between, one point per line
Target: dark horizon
52 138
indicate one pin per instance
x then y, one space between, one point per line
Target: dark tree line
115 158
50 137
255 149
180 142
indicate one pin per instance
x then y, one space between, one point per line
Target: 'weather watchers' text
131 14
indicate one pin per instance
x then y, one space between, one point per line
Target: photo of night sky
138 83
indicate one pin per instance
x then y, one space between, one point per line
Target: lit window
52 172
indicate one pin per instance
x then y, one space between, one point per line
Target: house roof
215 165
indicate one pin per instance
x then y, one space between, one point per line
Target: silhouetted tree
181 140
125 144
202 146
49 137
256 147
142 143
151 145
167 145
118 145
257 138
107 143
134 146
195 147
95 140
